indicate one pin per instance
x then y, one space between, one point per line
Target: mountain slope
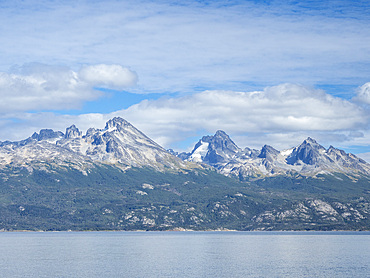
107 198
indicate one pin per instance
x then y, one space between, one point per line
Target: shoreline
187 231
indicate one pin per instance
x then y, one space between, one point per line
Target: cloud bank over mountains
279 115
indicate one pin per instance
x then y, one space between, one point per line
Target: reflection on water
185 254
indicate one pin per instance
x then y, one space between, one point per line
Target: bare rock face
309 152
269 153
72 132
46 134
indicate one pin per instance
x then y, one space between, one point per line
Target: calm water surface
185 254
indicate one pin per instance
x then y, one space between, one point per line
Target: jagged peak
72 127
214 148
221 140
268 147
72 132
310 143
115 122
310 140
333 149
90 132
309 152
221 133
266 150
46 134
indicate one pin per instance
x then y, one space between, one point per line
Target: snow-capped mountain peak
213 149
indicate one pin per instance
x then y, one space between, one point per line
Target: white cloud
44 87
277 116
285 107
113 76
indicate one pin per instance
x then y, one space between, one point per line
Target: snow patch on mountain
200 152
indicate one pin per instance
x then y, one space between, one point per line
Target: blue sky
265 72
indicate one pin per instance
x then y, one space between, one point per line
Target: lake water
185 254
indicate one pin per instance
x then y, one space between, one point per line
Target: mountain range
122 144
117 178
308 159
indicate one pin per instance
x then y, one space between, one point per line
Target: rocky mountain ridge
308 159
118 143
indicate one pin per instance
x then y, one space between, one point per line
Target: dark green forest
108 198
